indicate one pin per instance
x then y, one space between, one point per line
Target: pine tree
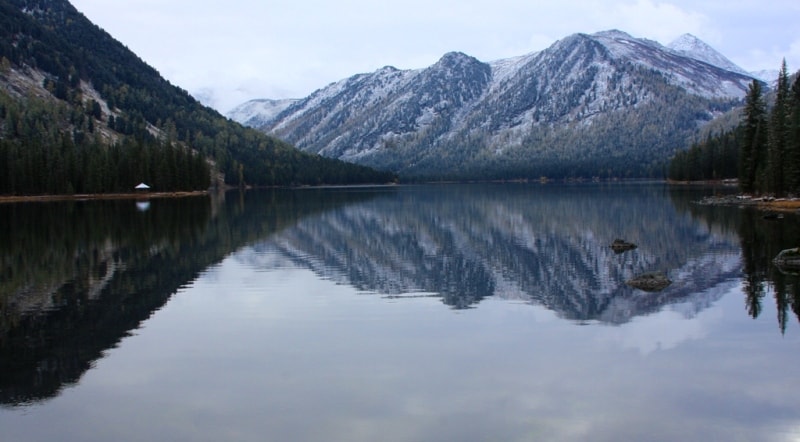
793 146
778 135
752 155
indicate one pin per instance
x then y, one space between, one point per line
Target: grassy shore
781 205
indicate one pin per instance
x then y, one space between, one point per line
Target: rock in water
620 246
789 258
650 282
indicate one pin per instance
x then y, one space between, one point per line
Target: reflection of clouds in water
791 433
664 330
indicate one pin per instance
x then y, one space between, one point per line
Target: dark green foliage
36 157
793 147
56 39
716 158
778 136
768 145
753 145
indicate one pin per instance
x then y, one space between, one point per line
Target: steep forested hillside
80 112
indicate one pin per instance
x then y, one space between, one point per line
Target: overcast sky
235 50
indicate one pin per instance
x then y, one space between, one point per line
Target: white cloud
286 49
659 21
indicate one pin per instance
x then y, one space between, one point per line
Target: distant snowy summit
691 46
257 112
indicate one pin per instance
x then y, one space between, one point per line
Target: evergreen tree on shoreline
752 155
778 136
793 139
768 144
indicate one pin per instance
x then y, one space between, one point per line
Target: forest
762 152
152 130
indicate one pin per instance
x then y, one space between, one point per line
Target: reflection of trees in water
79 276
761 240
104 268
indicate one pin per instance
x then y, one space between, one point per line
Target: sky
225 53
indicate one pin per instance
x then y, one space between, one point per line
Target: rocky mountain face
598 105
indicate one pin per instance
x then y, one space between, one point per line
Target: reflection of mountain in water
77 277
548 245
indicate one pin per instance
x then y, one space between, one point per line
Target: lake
466 312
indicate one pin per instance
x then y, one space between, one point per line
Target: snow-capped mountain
605 104
691 46
255 113
768 76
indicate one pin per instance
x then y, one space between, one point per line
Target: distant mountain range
600 105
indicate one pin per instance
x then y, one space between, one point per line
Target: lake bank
99 196
766 203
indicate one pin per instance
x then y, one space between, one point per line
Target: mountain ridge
542 113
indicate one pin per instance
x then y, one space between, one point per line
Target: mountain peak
456 58
688 42
613 33
690 46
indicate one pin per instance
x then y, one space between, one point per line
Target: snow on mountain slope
691 46
709 78
260 111
590 104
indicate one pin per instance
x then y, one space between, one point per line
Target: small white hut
142 186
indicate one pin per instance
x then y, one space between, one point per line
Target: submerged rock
620 245
789 258
650 282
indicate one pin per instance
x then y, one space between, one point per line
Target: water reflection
544 245
77 277
761 239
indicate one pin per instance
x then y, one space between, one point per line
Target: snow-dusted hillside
605 104
258 112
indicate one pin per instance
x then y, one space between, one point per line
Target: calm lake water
418 313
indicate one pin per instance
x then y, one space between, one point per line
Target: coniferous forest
763 151
101 120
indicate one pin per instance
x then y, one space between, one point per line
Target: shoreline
765 203
4 199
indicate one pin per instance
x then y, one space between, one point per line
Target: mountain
254 113
768 76
693 47
82 113
599 105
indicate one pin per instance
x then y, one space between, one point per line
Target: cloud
658 21
295 47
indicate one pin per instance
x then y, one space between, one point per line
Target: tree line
762 152
48 147
143 109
